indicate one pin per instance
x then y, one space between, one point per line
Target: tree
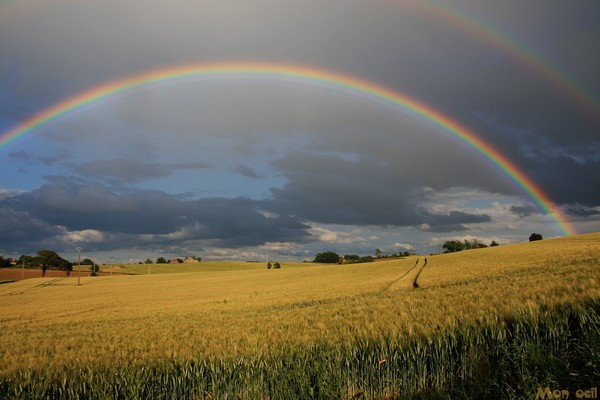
27 259
51 260
377 253
494 244
161 260
328 257
453 245
95 268
5 262
276 265
268 265
535 236
87 261
474 244
149 261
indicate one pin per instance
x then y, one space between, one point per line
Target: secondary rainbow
330 79
459 18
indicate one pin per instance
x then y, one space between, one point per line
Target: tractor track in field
38 286
389 285
415 283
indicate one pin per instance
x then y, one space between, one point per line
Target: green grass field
489 322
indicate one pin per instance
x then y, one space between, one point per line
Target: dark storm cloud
525 210
130 171
331 189
568 173
19 230
582 211
246 171
156 217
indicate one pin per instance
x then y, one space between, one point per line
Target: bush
452 246
277 265
535 236
269 265
328 257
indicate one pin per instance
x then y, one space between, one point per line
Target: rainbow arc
333 80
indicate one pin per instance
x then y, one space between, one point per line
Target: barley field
498 321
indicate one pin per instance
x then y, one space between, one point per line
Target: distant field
238 330
15 274
204 266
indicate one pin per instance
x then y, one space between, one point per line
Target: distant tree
406 254
328 257
494 244
276 265
161 260
139 262
474 244
149 261
535 236
27 259
95 268
5 262
269 265
452 246
352 257
377 253
87 261
51 260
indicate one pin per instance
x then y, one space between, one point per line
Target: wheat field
237 330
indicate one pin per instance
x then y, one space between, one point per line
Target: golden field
241 311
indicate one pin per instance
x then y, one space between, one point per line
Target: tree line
452 246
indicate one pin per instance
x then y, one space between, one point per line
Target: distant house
175 261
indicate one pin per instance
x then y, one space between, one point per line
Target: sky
237 166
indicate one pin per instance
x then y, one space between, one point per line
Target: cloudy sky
238 166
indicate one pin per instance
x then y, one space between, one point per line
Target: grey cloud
525 210
246 171
330 189
157 217
130 171
580 211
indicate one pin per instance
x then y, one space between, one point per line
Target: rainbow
460 19
525 55
315 76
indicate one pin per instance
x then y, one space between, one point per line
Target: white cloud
323 234
86 235
404 246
